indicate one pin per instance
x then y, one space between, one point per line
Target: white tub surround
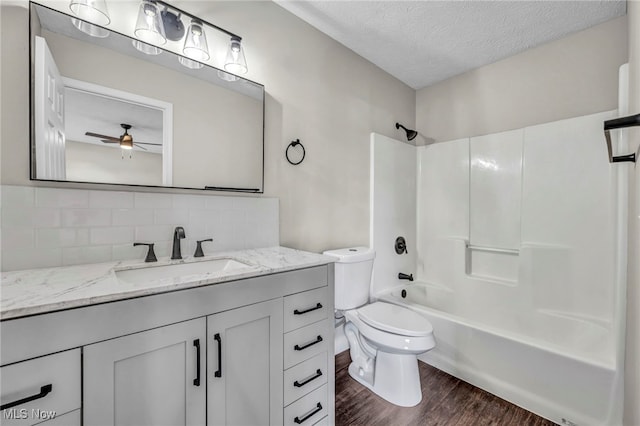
39 291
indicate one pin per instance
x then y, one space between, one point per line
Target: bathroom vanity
121 343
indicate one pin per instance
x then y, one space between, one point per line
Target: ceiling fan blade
106 141
141 147
98 135
148 143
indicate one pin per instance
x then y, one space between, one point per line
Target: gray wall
317 90
573 76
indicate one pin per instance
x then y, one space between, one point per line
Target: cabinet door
245 365
148 378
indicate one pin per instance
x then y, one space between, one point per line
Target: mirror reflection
103 111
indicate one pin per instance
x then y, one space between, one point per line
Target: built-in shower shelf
491 264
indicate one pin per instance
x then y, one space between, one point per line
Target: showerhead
411 134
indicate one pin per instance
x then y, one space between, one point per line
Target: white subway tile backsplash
111 235
61 237
18 196
153 233
171 217
86 217
16 259
87 254
122 217
111 199
67 198
44 227
145 200
185 201
18 237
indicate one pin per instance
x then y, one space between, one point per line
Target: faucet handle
151 255
199 252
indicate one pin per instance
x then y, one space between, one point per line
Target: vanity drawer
322 422
306 342
49 383
305 308
308 409
305 377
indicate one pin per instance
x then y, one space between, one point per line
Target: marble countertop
39 291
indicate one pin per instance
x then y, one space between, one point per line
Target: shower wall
525 218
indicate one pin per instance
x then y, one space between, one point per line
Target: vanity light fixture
92 11
190 63
195 44
146 48
149 26
236 62
90 29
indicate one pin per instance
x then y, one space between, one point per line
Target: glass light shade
146 48
189 63
149 26
94 11
235 63
195 44
87 28
126 141
226 76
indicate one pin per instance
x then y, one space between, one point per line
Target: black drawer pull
299 348
307 416
219 340
315 376
318 306
196 381
44 391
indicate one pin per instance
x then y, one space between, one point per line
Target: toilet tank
353 269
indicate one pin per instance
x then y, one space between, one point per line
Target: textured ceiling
423 42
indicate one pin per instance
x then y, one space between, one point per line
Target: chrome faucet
178 234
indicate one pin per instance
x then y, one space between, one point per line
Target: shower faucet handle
402 276
401 245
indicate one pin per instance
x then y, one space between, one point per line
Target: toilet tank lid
352 254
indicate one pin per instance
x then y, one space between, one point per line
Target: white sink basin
155 273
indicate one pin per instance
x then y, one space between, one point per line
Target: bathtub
558 366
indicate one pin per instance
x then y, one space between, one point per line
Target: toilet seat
395 319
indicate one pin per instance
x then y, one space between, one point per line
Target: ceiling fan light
146 48
195 44
149 26
126 141
90 29
94 11
235 62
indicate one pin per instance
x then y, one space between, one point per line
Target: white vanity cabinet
150 378
214 354
244 377
41 390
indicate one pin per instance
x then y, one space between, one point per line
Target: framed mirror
102 111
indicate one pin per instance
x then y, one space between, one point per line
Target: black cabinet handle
297 312
299 348
196 381
218 339
44 391
307 416
310 379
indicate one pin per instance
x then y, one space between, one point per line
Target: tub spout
402 276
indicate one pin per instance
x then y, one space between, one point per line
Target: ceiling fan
125 140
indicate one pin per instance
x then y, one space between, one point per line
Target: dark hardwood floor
446 400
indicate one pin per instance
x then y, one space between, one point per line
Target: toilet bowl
384 339
384 354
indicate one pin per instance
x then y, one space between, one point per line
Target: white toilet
384 339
